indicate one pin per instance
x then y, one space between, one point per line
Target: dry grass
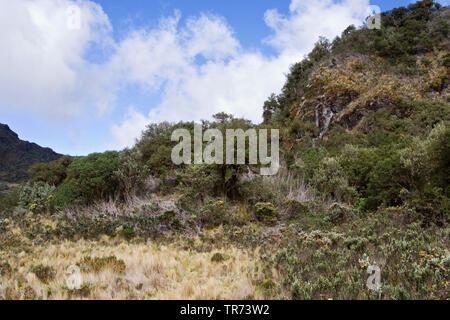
151 272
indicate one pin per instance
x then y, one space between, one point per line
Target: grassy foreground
116 269
301 257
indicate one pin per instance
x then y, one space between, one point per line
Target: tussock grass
130 271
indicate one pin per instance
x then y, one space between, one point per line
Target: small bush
258 190
196 183
219 257
295 208
8 202
131 173
339 213
98 264
36 197
89 179
330 179
5 269
214 213
169 218
125 231
53 173
386 180
44 273
266 213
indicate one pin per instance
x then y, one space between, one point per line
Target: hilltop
16 156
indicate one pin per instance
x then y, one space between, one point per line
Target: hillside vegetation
16 157
364 124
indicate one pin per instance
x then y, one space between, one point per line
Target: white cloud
307 20
232 80
41 59
131 128
209 36
44 67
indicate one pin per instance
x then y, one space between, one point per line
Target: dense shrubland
369 185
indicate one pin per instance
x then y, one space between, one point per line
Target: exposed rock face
344 91
325 109
350 120
330 112
16 156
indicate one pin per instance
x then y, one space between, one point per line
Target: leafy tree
155 145
89 179
131 173
52 173
269 108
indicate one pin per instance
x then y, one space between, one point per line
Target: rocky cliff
16 156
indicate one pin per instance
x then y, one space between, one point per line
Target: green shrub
295 208
257 190
155 146
330 179
213 213
169 218
196 184
357 164
432 204
266 213
36 197
404 31
125 231
308 162
428 160
219 257
87 225
131 173
9 201
386 180
90 179
98 264
357 243
338 137
44 273
339 213
52 173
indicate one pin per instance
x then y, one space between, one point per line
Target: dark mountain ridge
16 156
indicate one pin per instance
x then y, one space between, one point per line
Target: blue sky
139 61
246 17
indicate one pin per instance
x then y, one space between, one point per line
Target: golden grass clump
113 269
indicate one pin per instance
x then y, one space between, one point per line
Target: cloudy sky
86 76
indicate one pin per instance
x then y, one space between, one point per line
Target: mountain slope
369 113
363 71
16 156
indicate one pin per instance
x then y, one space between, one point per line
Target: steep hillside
16 156
342 83
369 112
